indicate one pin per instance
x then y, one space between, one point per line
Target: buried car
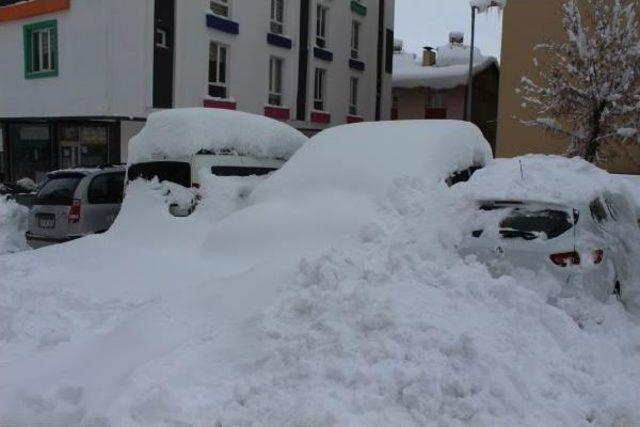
184 146
556 215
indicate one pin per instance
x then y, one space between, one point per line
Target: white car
584 245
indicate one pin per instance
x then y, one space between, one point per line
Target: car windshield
530 222
176 172
58 190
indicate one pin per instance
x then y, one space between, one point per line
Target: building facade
543 23
85 74
434 85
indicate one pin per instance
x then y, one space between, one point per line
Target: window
275 81
277 16
319 89
437 99
161 38
41 49
218 70
221 7
353 96
176 172
240 171
106 189
355 39
321 26
59 190
598 211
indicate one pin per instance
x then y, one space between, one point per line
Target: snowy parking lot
332 293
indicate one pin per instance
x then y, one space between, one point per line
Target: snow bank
451 70
182 133
367 158
13 225
334 296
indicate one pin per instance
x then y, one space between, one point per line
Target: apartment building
542 23
83 75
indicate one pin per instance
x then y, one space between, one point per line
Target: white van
186 171
179 145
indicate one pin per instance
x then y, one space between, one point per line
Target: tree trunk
594 143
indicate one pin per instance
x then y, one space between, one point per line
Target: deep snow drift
13 224
323 301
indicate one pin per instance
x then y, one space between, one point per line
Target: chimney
428 57
456 38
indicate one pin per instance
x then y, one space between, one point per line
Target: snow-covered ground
13 224
330 294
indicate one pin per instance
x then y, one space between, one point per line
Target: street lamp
477 6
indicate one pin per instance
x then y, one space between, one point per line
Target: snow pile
451 70
364 158
180 133
13 225
542 178
334 296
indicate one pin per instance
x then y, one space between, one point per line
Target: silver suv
75 202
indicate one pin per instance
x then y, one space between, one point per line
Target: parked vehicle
73 203
584 245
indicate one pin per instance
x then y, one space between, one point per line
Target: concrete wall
101 55
543 23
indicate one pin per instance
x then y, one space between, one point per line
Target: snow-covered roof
184 132
542 178
451 68
366 158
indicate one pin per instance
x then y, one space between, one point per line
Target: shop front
31 149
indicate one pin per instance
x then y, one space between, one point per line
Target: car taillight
74 212
598 256
566 259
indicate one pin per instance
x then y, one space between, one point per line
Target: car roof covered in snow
542 178
368 157
179 133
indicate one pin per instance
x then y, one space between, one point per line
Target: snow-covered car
184 146
582 236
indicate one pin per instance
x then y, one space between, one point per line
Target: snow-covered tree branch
588 86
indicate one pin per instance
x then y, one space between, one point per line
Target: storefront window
30 151
83 146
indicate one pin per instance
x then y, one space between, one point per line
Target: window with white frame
218 76
277 16
437 99
275 81
355 39
221 7
42 50
319 92
322 12
353 96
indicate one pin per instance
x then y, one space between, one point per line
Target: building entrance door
83 146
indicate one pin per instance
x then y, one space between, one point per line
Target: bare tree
588 86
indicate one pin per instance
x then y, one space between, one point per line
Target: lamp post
474 10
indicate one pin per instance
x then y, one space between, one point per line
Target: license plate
46 223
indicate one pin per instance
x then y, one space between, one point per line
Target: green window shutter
359 8
28 31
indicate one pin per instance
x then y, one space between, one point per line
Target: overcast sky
428 23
